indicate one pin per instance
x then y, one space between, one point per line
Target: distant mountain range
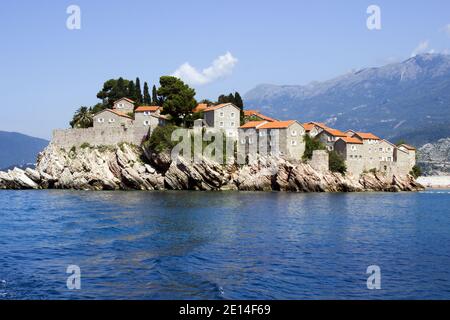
19 150
408 100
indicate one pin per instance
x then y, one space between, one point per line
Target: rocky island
132 168
126 144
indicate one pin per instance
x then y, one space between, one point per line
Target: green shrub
312 144
416 171
337 163
161 139
85 145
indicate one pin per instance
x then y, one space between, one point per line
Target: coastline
133 168
435 182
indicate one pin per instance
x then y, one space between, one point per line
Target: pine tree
138 94
147 98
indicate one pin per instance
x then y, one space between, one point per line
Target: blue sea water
224 245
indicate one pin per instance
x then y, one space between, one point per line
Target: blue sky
47 71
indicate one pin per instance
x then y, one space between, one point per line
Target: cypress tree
138 94
147 98
238 101
131 91
155 100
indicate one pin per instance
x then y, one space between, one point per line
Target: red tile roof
147 109
250 113
120 114
334 132
367 136
212 108
407 146
252 124
200 107
129 100
351 140
277 124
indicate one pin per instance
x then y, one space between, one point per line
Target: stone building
283 138
314 128
329 136
410 151
124 105
147 116
224 117
111 118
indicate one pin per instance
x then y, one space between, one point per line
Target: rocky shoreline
131 168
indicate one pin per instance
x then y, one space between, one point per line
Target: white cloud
422 48
220 68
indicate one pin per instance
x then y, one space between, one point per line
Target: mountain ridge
19 149
407 100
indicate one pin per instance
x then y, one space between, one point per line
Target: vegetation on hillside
311 144
83 118
161 139
337 163
177 99
416 171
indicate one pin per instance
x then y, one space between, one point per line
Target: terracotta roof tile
200 107
212 108
367 135
147 109
252 124
351 140
407 146
277 124
335 132
129 100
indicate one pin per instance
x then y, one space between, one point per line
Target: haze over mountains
19 150
408 100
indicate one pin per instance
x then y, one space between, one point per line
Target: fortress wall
319 161
99 136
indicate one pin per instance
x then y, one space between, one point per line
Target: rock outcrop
128 167
434 158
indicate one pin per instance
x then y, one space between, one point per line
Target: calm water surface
194 245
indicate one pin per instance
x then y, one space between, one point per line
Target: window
293 133
146 113
293 143
112 120
250 140
221 124
353 148
221 114
351 156
232 115
262 133
389 159
381 149
146 123
100 120
233 124
230 133
242 141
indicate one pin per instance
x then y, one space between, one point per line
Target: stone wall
99 136
320 161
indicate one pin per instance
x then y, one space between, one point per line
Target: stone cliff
131 168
